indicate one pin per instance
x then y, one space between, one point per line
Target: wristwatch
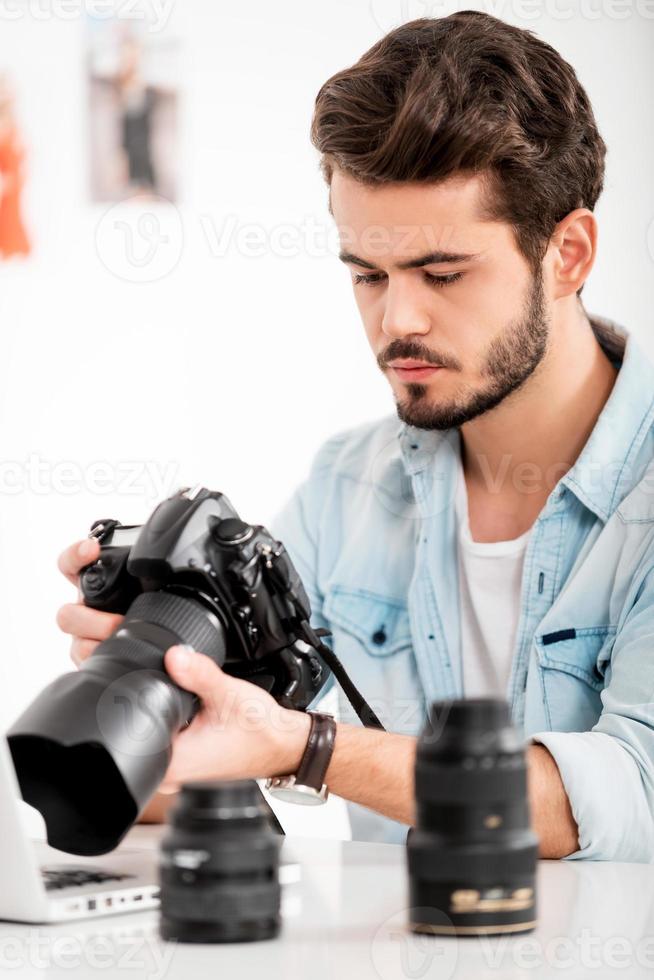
307 786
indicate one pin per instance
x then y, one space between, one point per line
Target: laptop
42 884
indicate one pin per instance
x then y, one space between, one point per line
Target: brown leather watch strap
318 752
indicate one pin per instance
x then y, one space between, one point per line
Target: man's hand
86 626
239 732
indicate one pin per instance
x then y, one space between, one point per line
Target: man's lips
410 364
411 370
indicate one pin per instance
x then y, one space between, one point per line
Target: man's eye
369 280
443 280
375 278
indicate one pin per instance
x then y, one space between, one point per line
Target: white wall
230 370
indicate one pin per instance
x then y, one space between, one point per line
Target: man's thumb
193 671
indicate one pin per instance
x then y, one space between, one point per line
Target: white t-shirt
490 585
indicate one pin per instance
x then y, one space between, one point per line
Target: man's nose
405 311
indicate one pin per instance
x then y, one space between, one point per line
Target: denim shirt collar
603 472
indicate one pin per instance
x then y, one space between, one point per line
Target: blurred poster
13 237
133 111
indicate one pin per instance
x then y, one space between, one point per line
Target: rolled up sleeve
608 772
608 798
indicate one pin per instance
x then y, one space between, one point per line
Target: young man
492 536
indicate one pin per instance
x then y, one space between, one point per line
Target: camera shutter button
231 531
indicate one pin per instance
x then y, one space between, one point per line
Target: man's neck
515 454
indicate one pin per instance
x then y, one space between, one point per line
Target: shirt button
379 637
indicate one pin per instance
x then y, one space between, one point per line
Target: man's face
480 323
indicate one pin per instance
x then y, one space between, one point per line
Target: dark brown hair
468 93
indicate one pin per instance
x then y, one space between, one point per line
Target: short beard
510 360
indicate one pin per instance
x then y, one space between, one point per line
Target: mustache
406 350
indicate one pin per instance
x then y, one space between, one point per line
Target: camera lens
471 856
112 720
219 866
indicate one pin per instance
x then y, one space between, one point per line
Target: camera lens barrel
472 855
219 866
157 620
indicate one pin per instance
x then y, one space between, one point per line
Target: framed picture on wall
133 110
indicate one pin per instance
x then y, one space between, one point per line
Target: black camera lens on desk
472 855
219 866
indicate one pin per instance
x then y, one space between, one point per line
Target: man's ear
571 251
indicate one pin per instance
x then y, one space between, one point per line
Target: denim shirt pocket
572 664
380 624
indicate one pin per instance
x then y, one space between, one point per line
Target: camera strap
364 712
286 580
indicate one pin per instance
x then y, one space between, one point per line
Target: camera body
195 545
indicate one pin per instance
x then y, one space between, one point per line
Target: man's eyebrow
429 259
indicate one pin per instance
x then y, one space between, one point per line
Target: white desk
346 919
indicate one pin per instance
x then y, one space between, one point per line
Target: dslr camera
92 748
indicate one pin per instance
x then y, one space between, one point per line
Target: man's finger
91 624
194 671
76 557
81 650
168 787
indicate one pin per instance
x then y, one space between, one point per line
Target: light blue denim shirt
372 532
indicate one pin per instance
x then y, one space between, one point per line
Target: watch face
304 795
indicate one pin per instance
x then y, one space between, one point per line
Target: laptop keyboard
74 877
